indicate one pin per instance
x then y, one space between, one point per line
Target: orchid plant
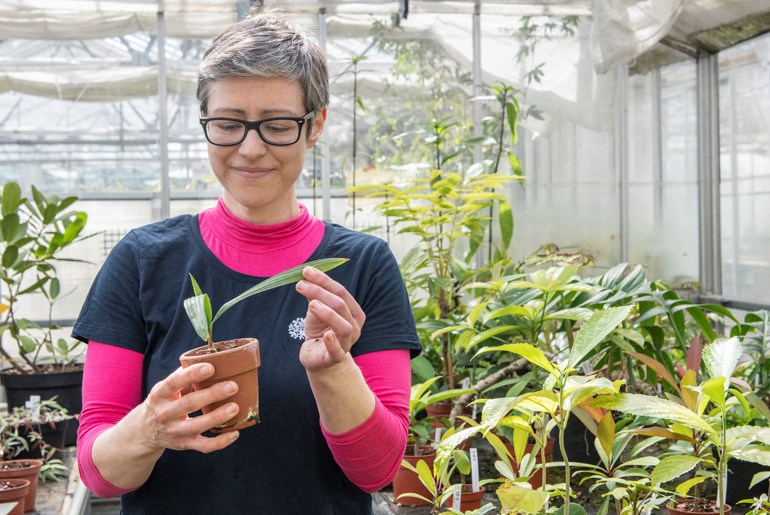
199 310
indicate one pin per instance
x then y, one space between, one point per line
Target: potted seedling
236 359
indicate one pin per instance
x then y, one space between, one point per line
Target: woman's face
259 178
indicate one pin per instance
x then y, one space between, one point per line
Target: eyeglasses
280 131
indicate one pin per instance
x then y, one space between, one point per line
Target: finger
342 329
313 276
336 352
182 379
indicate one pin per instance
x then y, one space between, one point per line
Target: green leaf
655 407
606 433
505 219
520 499
574 509
289 276
685 486
525 350
721 357
671 467
11 198
594 330
198 310
715 390
759 477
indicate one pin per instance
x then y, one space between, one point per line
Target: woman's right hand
166 423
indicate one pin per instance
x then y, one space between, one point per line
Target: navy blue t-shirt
282 465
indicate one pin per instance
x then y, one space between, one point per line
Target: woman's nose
252 144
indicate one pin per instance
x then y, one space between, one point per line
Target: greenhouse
570 194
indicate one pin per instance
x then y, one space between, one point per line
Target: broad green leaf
197 309
683 488
505 219
426 476
289 276
594 330
525 350
11 198
759 477
658 368
753 454
574 509
521 499
721 357
649 406
671 467
606 433
715 390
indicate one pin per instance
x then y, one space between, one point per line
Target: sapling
199 311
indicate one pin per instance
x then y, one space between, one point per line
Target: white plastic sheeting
622 29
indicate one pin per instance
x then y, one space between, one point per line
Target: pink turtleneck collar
260 250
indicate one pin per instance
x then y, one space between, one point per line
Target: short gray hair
266 46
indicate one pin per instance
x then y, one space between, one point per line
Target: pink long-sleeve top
369 454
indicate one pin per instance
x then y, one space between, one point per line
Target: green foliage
700 428
33 233
198 307
21 430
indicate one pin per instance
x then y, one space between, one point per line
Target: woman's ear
319 120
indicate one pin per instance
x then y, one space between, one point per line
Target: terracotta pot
407 481
14 490
469 500
237 360
439 411
683 508
28 470
537 477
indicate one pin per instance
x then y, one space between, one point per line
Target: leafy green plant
199 310
627 482
421 396
33 233
563 389
450 462
703 430
21 429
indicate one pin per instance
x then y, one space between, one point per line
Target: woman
334 391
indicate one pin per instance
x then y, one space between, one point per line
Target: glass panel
744 98
663 194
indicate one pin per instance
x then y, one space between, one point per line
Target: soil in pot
23 469
469 499
235 360
685 507
14 491
407 481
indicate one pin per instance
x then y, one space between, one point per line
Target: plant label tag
474 469
456 499
465 383
437 435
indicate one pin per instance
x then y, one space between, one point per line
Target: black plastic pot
739 476
579 442
66 386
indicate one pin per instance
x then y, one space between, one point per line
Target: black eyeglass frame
255 125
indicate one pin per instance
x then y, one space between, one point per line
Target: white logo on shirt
297 329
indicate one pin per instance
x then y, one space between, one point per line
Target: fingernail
232 409
233 435
301 285
231 387
207 369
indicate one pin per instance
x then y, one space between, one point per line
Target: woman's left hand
333 322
